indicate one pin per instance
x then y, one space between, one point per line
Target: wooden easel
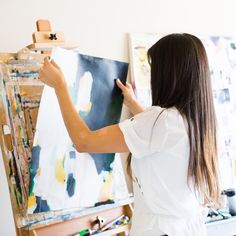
45 39
87 217
71 227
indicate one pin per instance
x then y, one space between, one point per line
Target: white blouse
164 202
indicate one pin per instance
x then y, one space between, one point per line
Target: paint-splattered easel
44 41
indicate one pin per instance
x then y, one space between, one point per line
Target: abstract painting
221 52
60 177
140 69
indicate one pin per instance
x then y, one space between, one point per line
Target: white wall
100 28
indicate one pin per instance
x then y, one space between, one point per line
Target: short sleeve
146 133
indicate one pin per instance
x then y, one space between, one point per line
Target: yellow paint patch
88 106
106 190
38 172
36 142
60 172
234 167
31 201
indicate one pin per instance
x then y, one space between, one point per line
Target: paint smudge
31 201
71 182
34 166
103 161
42 205
60 172
106 190
72 154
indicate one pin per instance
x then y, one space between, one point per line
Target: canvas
140 69
221 52
62 178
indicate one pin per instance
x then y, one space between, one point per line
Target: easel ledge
6 56
70 227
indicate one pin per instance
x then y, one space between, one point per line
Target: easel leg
125 233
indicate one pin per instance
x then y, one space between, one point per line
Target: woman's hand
51 74
129 98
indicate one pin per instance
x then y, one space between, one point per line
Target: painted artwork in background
140 69
62 178
221 52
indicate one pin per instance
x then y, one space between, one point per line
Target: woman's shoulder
157 116
161 111
168 118
150 131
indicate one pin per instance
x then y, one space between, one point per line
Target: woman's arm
106 140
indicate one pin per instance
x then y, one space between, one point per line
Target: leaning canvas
60 177
139 43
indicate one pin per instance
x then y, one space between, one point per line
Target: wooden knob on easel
43 25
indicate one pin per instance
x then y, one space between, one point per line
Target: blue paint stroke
42 205
70 188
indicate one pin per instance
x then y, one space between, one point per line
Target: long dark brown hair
180 78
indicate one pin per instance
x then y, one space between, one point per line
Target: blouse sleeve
146 133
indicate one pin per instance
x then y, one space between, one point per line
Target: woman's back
158 140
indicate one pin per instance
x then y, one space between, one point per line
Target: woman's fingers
128 85
120 85
41 76
40 72
46 61
55 64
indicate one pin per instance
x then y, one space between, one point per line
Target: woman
173 143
